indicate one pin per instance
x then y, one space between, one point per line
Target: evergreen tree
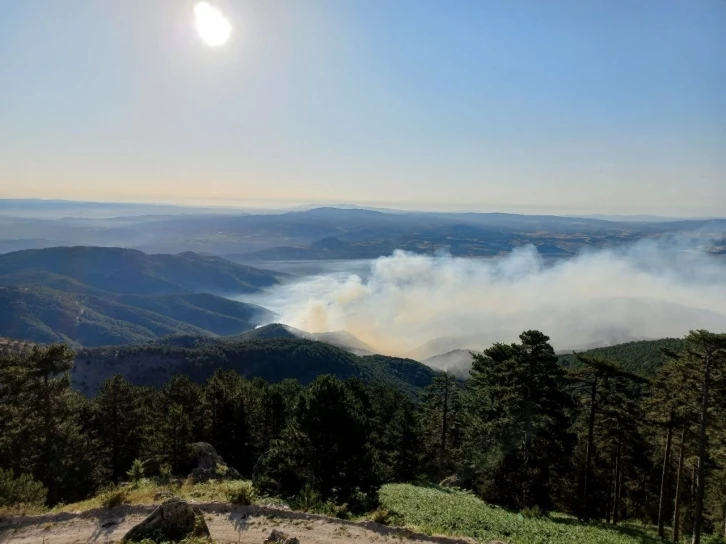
593 375
521 408
117 425
326 446
42 434
704 361
441 422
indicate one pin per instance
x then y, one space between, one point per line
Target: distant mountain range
96 296
336 233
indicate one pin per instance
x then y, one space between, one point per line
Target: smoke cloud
419 306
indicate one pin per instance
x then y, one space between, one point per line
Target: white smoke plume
420 306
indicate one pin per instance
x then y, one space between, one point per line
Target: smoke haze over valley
424 305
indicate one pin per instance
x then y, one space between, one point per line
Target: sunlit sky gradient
556 106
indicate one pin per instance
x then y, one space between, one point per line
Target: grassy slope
436 510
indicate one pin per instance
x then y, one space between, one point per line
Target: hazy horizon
282 206
560 107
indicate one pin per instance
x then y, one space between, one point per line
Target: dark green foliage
643 357
595 440
520 414
20 490
395 433
117 427
326 446
40 427
442 424
271 359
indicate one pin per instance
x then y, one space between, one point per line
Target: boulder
210 464
278 537
173 520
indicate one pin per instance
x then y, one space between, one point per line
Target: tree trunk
444 426
616 487
698 515
664 479
588 454
677 506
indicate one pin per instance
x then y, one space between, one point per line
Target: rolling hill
642 357
46 315
273 359
127 271
94 296
341 339
327 233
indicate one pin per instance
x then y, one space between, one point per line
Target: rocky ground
227 524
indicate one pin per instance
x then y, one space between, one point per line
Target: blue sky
557 106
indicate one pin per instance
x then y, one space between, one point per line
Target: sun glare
213 27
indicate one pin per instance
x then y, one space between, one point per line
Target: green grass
445 511
211 491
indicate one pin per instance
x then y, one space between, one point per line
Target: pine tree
441 421
117 423
594 373
519 403
42 435
703 361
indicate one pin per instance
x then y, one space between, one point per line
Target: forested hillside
47 315
127 271
596 441
90 296
643 357
273 359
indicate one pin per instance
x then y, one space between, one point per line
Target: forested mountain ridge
92 296
128 271
47 315
642 357
273 359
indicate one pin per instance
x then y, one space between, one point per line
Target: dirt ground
227 524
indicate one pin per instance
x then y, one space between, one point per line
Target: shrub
240 493
114 496
136 472
533 512
329 508
383 516
165 473
308 500
20 490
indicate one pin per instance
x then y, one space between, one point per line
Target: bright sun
212 26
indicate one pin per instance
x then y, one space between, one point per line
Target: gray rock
210 464
278 537
173 520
